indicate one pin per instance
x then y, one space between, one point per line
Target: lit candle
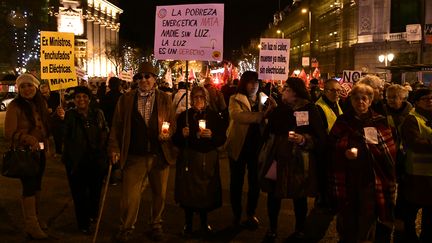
202 124
291 133
354 151
165 126
41 146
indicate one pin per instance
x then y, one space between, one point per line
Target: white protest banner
274 59
189 32
81 73
57 60
351 76
126 76
413 32
305 61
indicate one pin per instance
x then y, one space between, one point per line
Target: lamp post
304 11
281 32
386 58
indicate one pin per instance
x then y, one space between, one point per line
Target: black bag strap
181 98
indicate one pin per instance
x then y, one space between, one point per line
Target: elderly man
140 140
329 109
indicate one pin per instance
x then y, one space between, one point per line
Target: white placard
351 76
274 59
371 135
70 20
305 61
126 76
302 118
189 32
413 32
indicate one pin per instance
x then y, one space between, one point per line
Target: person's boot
32 227
42 223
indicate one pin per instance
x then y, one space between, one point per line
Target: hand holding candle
354 151
351 153
202 124
165 127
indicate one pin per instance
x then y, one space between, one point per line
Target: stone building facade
350 35
100 24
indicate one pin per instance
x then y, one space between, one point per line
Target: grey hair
398 89
364 89
374 81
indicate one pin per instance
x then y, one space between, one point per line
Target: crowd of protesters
363 153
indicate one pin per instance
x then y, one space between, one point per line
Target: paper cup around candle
354 151
165 126
202 124
291 133
41 146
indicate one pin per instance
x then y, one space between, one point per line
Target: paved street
57 210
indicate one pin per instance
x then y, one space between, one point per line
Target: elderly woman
417 184
397 109
247 112
198 187
26 123
377 86
298 133
85 135
363 169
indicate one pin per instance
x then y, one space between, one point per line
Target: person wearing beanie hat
27 79
85 135
417 182
26 124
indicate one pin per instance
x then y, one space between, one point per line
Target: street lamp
304 11
281 32
386 58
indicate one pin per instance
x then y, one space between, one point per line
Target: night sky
244 19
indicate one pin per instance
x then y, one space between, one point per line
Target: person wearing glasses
417 183
85 134
197 184
329 109
140 140
363 175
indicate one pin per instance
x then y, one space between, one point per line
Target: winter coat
120 133
85 140
374 166
416 188
295 164
241 116
17 125
197 183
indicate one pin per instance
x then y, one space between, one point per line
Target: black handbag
20 162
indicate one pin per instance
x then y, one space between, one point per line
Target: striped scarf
382 156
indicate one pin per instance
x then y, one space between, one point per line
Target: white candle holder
202 124
165 126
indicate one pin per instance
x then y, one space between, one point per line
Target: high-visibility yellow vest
329 113
420 163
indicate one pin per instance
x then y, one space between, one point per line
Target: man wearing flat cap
416 186
140 140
